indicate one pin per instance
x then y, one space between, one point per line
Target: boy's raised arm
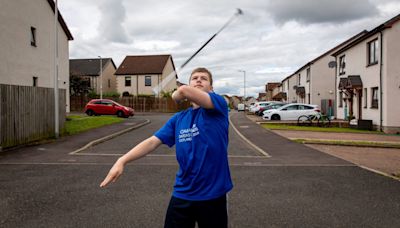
194 95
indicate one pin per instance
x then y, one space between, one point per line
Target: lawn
76 123
276 126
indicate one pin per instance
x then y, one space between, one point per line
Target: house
27 42
146 75
85 75
269 87
227 99
262 97
250 100
367 82
235 100
315 81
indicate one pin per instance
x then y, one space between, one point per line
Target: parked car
271 106
291 111
260 104
107 107
240 107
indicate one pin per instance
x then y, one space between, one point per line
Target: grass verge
349 143
276 126
76 124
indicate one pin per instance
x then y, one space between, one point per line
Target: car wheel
275 117
90 112
120 114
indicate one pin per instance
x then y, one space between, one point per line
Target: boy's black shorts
207 213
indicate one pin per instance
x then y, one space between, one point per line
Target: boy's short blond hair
202 70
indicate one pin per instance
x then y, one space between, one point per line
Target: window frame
33 37
365 95
128 79
146 82
374 47
342 65
374 102
35 81
340 99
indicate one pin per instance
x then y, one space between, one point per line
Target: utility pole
56 103
101 78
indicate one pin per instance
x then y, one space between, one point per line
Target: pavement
289 185
379 159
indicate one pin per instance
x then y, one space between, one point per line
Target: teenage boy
200 134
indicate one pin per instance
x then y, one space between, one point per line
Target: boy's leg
179 214
212 213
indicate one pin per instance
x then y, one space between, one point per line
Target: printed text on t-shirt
186 135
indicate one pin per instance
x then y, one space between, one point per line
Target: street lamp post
244 83
101 78
56 95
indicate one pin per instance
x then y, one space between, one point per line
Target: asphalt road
43 186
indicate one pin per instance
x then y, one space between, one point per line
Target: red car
107 107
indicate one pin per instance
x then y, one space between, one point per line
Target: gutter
380 84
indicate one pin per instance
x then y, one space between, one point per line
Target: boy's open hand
114 173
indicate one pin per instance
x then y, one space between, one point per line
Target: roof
385 25
87 67
272 85
280 95
354 82
144 64
61 20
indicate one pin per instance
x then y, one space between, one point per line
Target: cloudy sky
270 41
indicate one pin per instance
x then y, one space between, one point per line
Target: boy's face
201 80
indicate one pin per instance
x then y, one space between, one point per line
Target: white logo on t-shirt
186 135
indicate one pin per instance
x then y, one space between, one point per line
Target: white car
291 111
259 104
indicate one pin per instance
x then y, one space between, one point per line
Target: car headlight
127 109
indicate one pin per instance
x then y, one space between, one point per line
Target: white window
342 64
35 81
373 52
127 81
33 36
147 81
374 100
365 97
340 99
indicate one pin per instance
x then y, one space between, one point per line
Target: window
292 107
298 79
374 101
341 99
127 81
365 97
308 75
373 52
33 36
147 81
109 83
342 65
35 81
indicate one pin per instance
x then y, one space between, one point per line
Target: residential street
293 186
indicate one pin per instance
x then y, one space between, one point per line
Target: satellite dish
332 64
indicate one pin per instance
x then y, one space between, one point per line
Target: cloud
321 11
111 21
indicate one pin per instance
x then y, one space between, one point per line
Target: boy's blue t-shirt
201 139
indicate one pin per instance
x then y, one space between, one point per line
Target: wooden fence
27 114
140 104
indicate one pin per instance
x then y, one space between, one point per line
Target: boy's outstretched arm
194 95
137 152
